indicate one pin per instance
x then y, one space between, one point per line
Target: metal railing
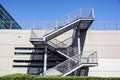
97 25
69 64
33 34
69 18
105 25
77 14
36 33
61 44
39 25
69 51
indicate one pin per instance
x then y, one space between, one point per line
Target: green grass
34 77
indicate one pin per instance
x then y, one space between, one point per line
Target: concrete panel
4 66
4 50
5 38
104 51
4 59
2 73
106 67
19 68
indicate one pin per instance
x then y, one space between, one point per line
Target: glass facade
6 20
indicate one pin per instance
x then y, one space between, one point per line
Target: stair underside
82 65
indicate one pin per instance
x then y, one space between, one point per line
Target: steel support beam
79 47
45 60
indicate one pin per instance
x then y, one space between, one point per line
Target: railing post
10 24
96 56
93 57
104 25
116 25
44 28
80 12
31 35
33 24
56 24
93 13
68 18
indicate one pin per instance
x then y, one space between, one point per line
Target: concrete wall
106 43
9 39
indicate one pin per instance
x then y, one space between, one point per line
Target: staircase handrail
33 35
77 14
69 64
58 42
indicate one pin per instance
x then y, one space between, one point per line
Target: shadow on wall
35 66
82 39
37 61
82 71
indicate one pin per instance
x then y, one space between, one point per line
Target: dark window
24 48
34 53
28 66
28 61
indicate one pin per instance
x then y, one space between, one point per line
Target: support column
45 60
79 47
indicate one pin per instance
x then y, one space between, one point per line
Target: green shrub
17 77
33 77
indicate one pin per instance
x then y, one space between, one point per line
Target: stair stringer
78 68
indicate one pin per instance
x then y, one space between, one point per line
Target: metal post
68 18
56 24
10 24
45 60
104 25
44 28
80 12
79 50
34 24
116 25
79 47
93 13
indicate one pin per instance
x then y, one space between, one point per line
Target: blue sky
47 10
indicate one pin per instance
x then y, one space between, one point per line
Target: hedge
33 77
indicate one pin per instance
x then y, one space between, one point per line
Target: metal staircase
80 19
69 66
